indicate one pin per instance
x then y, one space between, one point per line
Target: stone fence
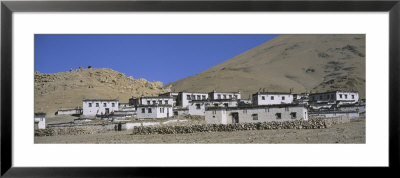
315 123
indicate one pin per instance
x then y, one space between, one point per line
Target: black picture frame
8 7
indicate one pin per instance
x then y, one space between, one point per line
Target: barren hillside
67 89
298 62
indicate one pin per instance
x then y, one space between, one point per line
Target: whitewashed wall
40 120
184 100
272 99
156 112
101 109
218 116
225 95
342 96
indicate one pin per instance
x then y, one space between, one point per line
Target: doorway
235 117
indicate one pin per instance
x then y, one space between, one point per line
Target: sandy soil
353 132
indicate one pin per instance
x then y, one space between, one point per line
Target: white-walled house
184 98
40 121
214 95
338 97
252 114
151 100
154 111
272 98
93 107
174 96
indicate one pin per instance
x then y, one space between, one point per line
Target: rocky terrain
67 89
298 62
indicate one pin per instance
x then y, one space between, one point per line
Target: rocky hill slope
67 89
298 62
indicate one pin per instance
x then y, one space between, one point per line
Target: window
149 110
254 116
263 97
226 104
283 98
188 97
219 96
293 115
198 97
224 96
272 97
104 104
204 97
327 96
154 102
345 96
235 96
161 110
230 96
333 96
90 104
143 110
216 105
278 116
166 101
148 102
320 97
340 96
113 104
197 106
97 104
352 96
160 102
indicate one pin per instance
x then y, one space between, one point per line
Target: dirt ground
352 132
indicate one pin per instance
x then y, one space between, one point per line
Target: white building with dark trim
174 96
93 107
252 114
335 97
151 100
272 98
184 98
215 95
40 121
154 111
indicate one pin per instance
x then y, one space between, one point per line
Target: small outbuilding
40 121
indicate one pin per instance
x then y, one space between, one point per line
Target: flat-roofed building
40 121
154 111
251 114
215 95
151 100
272 98
335 97
93 107
184 98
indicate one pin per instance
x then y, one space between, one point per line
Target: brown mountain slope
300 62
67 89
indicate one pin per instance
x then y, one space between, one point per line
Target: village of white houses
290 89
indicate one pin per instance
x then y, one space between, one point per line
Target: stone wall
76 130
315 123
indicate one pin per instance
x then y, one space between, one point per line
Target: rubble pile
316 123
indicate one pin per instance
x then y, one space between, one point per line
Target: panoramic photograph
199 89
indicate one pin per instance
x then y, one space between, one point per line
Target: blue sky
164 58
